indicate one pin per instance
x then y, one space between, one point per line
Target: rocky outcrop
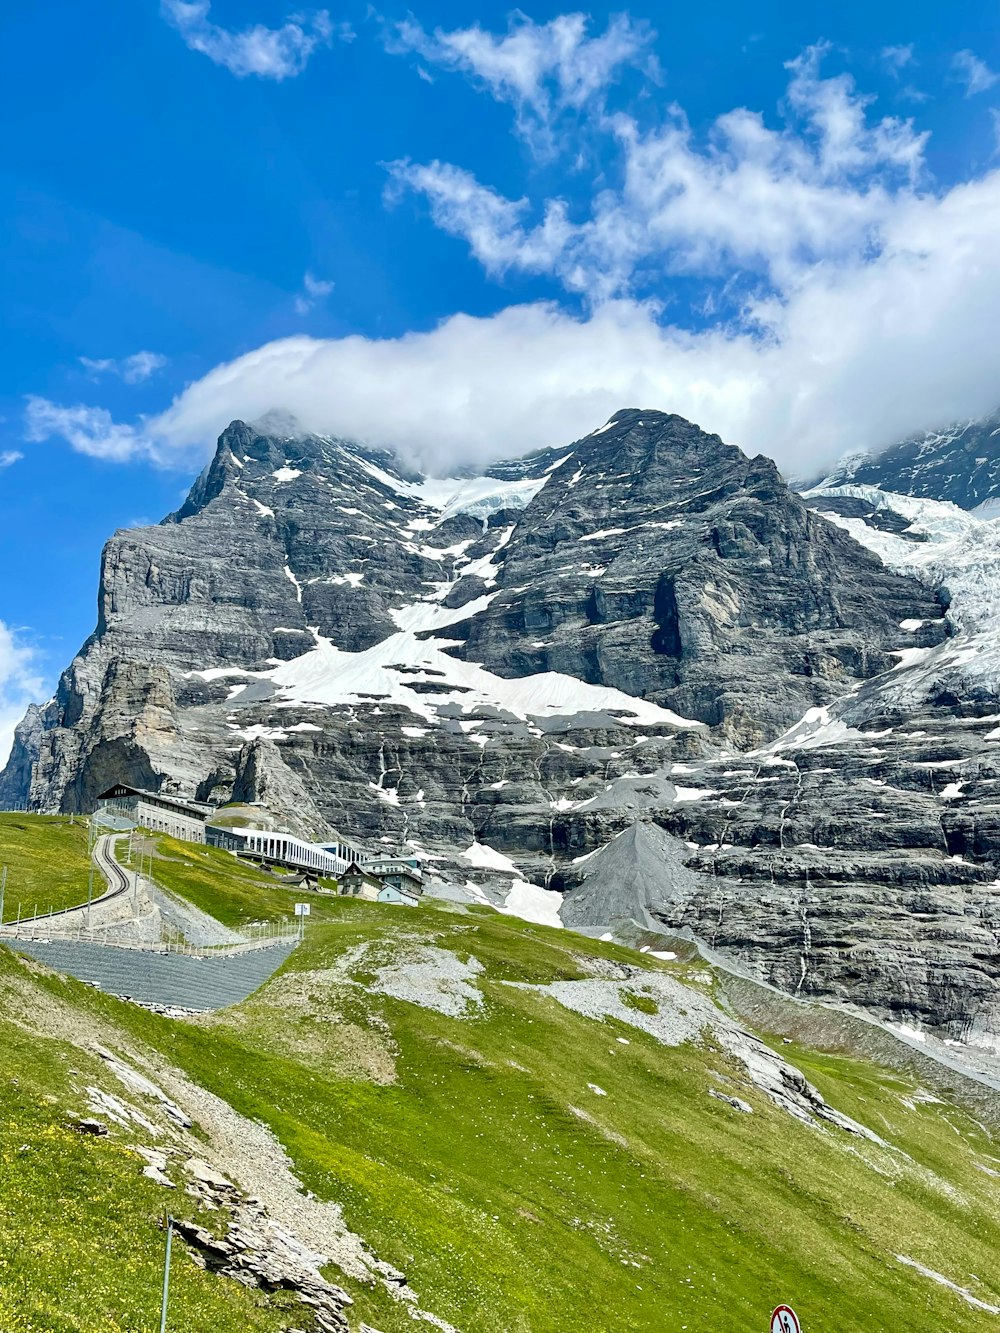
960 463
257 1253
663 562
16 778
841 871
263 778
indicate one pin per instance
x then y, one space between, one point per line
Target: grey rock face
317 629
960 463
837 872
856 859
15 780
663 562
263 776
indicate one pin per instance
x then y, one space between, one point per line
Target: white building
281 849
345 852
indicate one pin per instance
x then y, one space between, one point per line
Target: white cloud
492 225
543 70
132 369
88 430
896 58
313 289
268 53
9 456
20 685
857 305
973 72
855 358
768 202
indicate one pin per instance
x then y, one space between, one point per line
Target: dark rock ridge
595 647
667 564
960 463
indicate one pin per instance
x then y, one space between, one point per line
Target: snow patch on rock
532 903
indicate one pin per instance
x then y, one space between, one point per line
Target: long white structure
283 849
345 852
191 821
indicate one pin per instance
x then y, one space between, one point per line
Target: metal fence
38 927
263 936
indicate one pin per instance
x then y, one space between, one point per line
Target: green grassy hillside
80 1242
528 1167
47 863
234 892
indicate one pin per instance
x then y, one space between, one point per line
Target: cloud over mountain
802 286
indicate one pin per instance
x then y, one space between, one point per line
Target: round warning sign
785 1320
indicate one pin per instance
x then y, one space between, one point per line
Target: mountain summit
648 565
958 463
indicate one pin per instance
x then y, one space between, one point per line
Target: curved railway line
117 880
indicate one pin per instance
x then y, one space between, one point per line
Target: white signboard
785 1320
301 909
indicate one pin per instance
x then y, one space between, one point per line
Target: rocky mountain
960 463
638 671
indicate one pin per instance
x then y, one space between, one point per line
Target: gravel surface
433 978
197 927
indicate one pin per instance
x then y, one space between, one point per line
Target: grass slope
234 892
47 863
81 1247
662 1208
529 1169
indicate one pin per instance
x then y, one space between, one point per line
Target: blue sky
470 236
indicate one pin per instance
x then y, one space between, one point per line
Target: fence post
166 1275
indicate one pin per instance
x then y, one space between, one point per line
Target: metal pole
166 1275
3 890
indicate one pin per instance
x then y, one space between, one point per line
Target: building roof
195 809
393 865
401 892
355 869
403 872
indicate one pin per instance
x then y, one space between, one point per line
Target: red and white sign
785 1320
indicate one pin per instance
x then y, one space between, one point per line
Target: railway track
117 880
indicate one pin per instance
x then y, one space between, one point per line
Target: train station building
180 819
